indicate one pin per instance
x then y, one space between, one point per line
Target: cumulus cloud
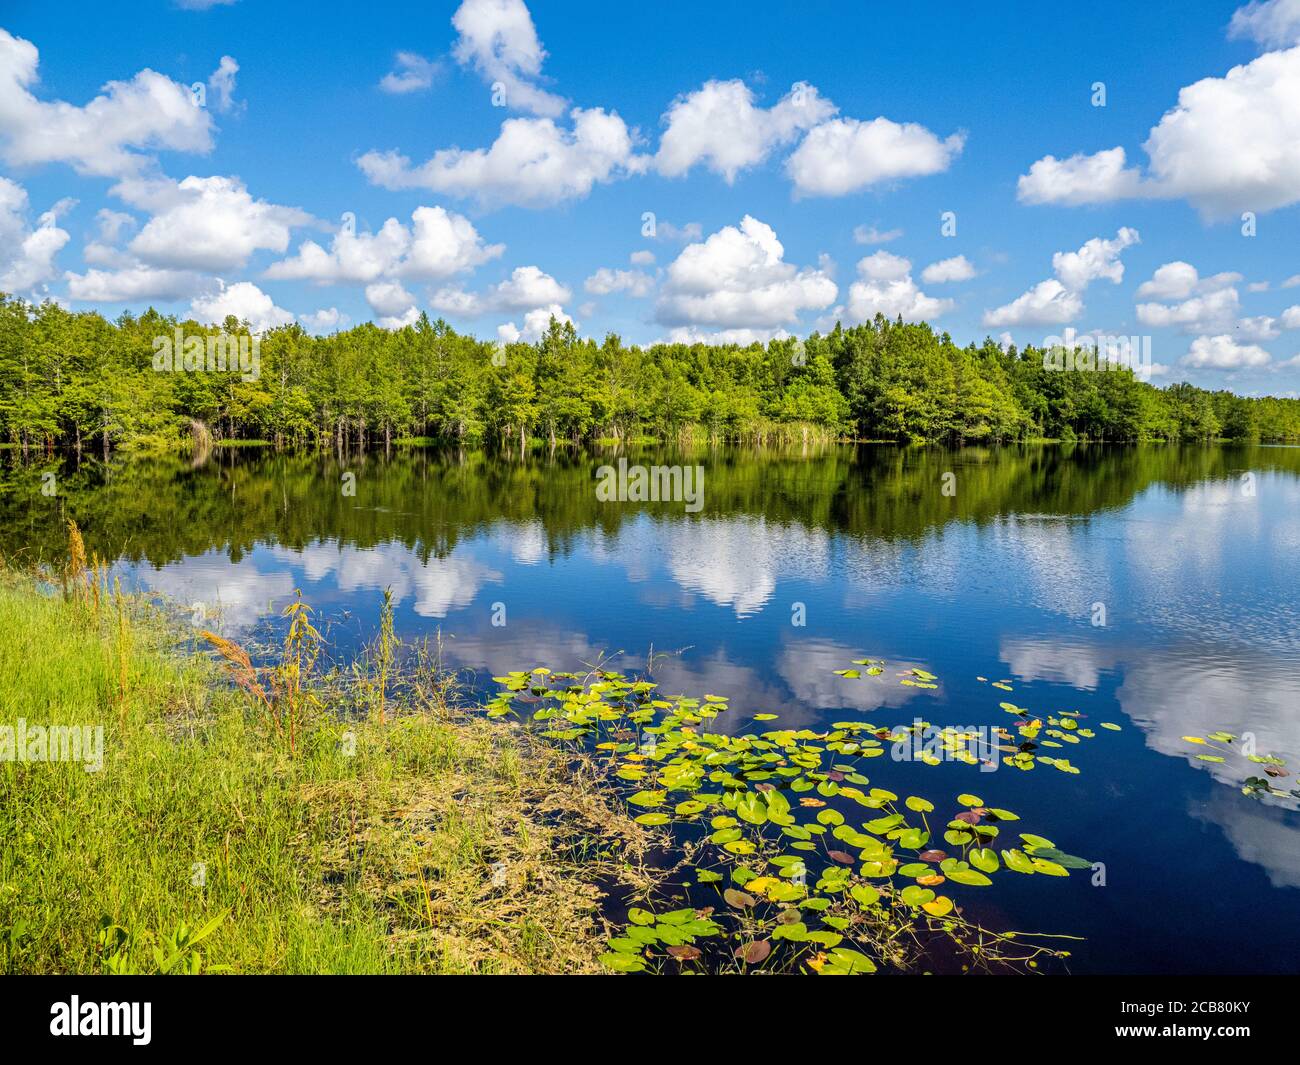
1231 144
108 137
885 286
411 73
1080 179
642 258
326 320
497 38
1209 308
720 126
1179 280
1047 303
1224 353
438 244
738 279
389 298
958 268
26 254
536 322
846 155
1270 23
527 287
245 301
1097 260
1060 299
210 223
533 162
634 282
133 283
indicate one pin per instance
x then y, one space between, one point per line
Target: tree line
77 380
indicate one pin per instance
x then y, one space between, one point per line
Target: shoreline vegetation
274 811
77 382
410 837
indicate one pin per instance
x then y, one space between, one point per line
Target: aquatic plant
774 824
1226 746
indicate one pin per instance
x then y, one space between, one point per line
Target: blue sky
494 163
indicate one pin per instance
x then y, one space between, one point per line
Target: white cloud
325 320
389 298
1179 280
1291 282
26 255
221 85
1270 24
1193 304
207 223
738 279
958 268
1047 303
532 163
885 286
1291 318
498 38
1097 260
133 283
411 73
246 302
684 234
1080 179
1060 299
536 322
642 258
690 334
846 155
1224 353
438 244
1231 144
105 137
527 288
635 283
720 126
1260 327
872 235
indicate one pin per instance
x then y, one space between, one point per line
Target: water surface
1192 554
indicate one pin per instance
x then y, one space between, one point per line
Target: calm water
1197 567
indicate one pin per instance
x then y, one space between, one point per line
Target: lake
1157 588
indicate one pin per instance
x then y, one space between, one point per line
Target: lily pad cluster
1222 746
806 865
1035 735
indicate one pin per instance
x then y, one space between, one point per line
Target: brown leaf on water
742 900
843 857
685 952
754 953
932 856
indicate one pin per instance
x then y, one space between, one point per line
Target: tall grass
293 841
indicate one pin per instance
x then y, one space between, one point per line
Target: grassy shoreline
421 840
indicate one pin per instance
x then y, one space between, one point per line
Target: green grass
323 861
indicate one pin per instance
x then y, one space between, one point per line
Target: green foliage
75 380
